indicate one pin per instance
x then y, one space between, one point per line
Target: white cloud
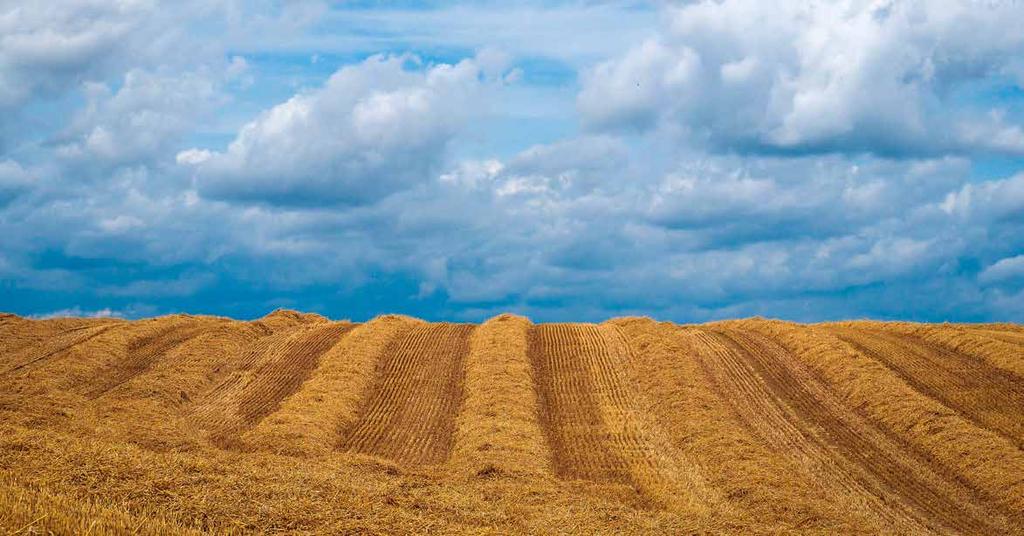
987 201
79 313
193 157
1010 268
373 128
141 120
46 46
848 76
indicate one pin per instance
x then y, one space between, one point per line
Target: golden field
295 423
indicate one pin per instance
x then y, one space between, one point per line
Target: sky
687 161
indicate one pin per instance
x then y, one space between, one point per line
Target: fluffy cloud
701 235
785 160
372 129
48 46
889 78
141 120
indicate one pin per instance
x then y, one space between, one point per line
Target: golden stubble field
295 423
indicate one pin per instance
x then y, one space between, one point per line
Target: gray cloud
1004 270
14 180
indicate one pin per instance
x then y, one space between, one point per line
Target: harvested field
296 423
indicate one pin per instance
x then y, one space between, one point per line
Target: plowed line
270 372
142 354
991 397
281 377
590 416
1011 337
409 413
873 459
263 346
767 416
63 348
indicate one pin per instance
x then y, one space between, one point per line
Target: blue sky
564 160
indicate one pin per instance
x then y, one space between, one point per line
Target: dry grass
224 492
624 427
497 431
27 511
309 421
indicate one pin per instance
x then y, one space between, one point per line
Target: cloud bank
803 160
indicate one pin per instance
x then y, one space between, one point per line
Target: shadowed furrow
885 468
961 339
989 396
593 418
409 413
580 442
141 354
268 374
311 420
281 377
34 353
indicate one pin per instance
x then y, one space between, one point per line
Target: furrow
594 420
960 339
161 399
270 372
141 354
770 417
680 372
571 416
311 420
23 339
410 409
59 345
989 396
1012 337
281 377
881 463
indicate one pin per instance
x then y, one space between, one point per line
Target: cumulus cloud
797 77
991 201
141 120
373 128
47 46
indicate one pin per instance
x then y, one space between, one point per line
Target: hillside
295 423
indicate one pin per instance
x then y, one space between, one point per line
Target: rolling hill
296 423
